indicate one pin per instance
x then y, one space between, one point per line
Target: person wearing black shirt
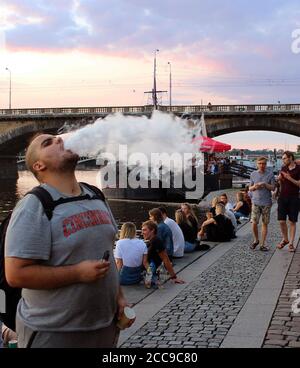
288 201
241 209
188 231
218 228
191 217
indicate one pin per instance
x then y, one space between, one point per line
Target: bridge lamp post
9 87
170 85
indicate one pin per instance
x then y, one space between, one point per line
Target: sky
100 53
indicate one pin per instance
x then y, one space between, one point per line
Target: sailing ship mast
154 91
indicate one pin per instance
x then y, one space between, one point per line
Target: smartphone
106 256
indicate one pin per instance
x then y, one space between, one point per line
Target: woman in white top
131 255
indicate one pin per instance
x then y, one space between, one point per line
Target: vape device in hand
106 256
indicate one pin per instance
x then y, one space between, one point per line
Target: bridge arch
16 140
240 123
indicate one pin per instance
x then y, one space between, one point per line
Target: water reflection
123 210
8 196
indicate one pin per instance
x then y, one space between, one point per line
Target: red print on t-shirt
84 220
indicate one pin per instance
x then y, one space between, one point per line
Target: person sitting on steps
217 228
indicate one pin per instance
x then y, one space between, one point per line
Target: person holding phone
288 200
71 296
262 183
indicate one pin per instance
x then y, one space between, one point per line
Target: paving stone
282 318
294 344
174 342
150 346
266 346
275 330
213 345
290 333
295 329
189 347
271 336
292 338
198 339
189 343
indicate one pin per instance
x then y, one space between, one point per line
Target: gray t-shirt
78 231
262 197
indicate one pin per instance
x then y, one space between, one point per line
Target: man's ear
38 166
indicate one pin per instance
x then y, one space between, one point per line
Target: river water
135 211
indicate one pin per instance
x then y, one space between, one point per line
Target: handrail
184 109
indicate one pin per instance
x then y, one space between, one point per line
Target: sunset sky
100 52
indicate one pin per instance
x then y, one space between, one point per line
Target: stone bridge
18 125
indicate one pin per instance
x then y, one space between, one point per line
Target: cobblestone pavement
202 314
284 329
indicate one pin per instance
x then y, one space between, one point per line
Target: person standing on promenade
288 201
71 297
262 183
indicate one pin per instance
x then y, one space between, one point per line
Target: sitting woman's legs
189 247
130 275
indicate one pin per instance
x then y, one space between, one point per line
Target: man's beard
69 163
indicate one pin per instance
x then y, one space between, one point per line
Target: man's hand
286 175
122 303
254 187
91 271
260 185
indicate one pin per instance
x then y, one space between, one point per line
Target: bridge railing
189 109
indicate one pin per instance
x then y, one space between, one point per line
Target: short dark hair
224 195
289 154
163 210
151 225
261 158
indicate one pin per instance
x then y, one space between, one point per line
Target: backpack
13 295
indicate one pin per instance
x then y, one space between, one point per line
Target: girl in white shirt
131 255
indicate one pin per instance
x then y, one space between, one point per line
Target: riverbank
229 299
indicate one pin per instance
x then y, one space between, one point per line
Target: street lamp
170 88
9 87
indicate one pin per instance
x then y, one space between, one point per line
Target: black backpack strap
99 194
3 229
46 199
49 204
